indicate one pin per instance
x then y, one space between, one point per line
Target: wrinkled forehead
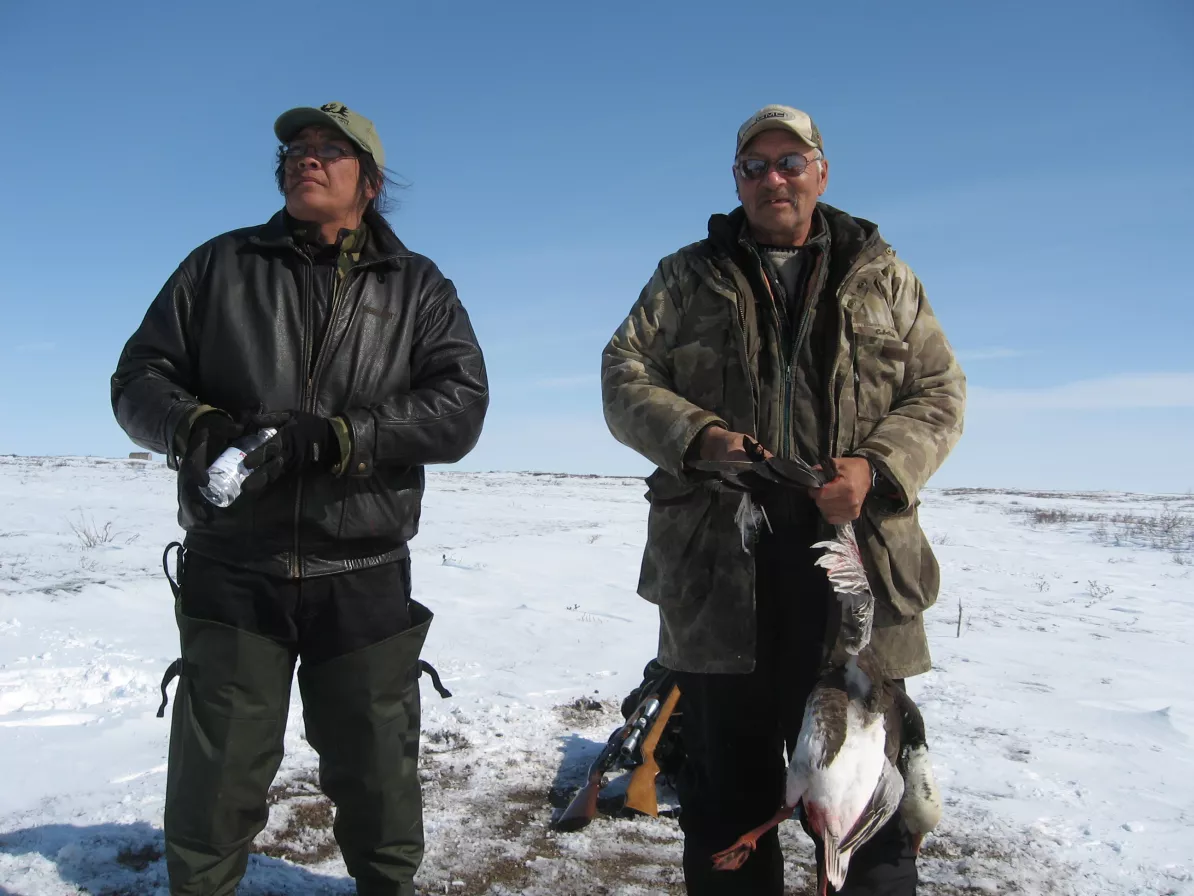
775 142
318 134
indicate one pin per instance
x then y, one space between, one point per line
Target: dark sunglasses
327 152
790 165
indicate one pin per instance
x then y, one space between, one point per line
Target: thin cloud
1120 392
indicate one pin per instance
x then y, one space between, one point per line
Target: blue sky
1029 160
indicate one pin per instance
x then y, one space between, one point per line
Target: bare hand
719 443
840 500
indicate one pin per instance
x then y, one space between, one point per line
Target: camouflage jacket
696 349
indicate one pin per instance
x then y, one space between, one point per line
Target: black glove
209 436
303 441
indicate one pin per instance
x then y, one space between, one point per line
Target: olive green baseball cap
353 125
786 118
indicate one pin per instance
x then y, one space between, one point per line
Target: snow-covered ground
1060 711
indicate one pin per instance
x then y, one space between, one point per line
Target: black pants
738 729
317 619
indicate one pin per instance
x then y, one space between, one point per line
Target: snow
1059 713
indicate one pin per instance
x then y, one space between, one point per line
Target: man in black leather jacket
321 325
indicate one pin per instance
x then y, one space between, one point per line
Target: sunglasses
791 165
327 152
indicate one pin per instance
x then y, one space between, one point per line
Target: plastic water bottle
228 471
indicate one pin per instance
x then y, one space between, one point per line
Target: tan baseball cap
779 117
353 125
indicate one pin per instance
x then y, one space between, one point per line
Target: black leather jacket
232 328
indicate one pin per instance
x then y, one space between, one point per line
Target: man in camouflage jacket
796 325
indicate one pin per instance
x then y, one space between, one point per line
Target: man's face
321 179
779 206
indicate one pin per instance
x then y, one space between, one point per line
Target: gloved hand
210 434
303 441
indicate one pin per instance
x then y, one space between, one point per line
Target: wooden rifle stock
640 793
583 807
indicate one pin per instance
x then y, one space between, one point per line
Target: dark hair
379 179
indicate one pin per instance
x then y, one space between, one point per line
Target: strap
425 666
174 586
172 672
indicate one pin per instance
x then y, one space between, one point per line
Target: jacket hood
853 240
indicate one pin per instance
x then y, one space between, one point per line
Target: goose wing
879 810
842 562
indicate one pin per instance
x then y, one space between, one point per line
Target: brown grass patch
525 824
139 858
585 711
307 837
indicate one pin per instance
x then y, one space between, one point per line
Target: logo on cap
338 109
777 113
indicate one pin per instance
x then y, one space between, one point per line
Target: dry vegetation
89 534
306 836
139 858
1169 529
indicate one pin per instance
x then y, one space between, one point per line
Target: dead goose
861 753
843 769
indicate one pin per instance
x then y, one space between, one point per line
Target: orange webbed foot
735 857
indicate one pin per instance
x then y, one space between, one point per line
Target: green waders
361 711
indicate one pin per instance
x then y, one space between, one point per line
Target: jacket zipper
295 563
307 401
806 318
338 292
785 441
779 329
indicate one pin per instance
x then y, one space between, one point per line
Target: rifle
620 748
640 793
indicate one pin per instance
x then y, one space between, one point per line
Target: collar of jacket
819 237
346 252
853 241
383 248
307 232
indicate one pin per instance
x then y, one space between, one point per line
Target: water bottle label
228 462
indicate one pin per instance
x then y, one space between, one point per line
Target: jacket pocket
903 572
361 517
880 360
678 560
